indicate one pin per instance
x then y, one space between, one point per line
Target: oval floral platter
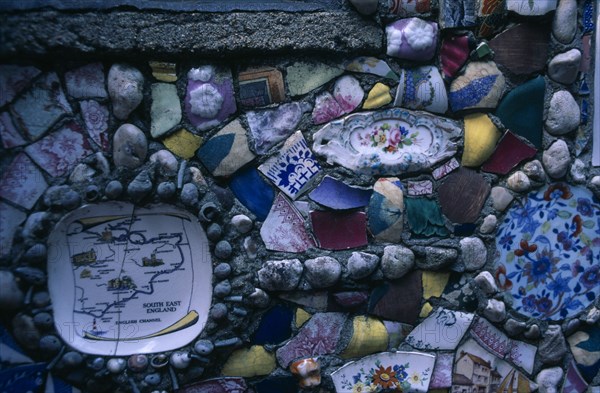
386 371
548 252
121 276
388 142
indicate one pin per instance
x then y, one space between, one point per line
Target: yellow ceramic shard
183 143
481 136
378 96
434 284
369 336
301 317
163 71
249 363
426 310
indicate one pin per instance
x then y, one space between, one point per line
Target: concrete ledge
176 35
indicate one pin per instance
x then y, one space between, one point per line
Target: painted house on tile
471 368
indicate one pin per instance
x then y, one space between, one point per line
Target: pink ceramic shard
347 96
326 109
453 54
442 372
508 154
445 169
351 299
284 229
95 116
319 336
339 230
22 183
87 81
13 79
422 187
8 133
60 151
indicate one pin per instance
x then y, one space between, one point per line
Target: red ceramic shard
339 230
453 54
508 154
399 300
523 49
462 195
351 299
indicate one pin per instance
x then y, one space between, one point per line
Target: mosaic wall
426 220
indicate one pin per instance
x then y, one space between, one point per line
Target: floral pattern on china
548 252
385 372
388 142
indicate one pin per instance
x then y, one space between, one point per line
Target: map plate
126 280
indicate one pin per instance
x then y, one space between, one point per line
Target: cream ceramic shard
443 329
399 371
531 7
129 280
371 65
422 88
391 141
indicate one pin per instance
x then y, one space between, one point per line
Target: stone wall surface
339 197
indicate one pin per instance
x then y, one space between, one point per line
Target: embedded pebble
222 270
563 113
180 359
592 316
578 171
489 224
11 296
31 275
115 365
189 194
214 232
72 359
535 171
166 190
152 379
82 173
362 264
518 182
36 253
126 89
564 25
557 159
436 258
36 225
495 310
137 363
140 187
322 272
223 249
43 320
396 261
553 347
501 198
97 364
564 67
251 247
485 281
25 331
514 327
218 311
167 163
40 299
204 347
50 344
113 189
242 223
281 275
61 197
92 193
549 379
130 147
533 332
473 253
222 289
259 298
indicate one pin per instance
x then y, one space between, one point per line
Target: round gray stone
514 327
322 272
564 25
43 320
578 171
167 163
140 186
36 253
166 190
214 232
501 198
396 261
485 281
535 171
518 182
563 113
564 67
218 311
126 89
557 159
50 344
222 289
362 264
281 275
72 359
222 270
152 379
189 194
489 224
533 332
130 147
40 299
495 310
436 258
259 298
37 225
242 223
223 249
61 197
204 347
473 253
113 189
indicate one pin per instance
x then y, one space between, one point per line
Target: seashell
308 371
180 360
137 363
